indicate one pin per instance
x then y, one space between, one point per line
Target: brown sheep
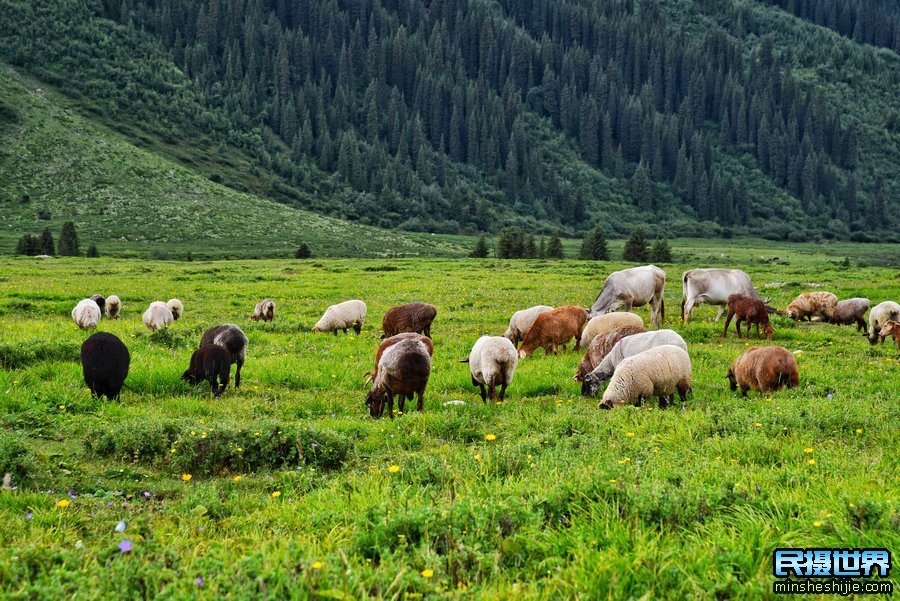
851 311
812 304
387 342
751 310
764 368
265 310
554 328
403 371
891 328
411 317
600 347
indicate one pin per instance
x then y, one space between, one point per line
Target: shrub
661 252
481 248
303 251
15 458
554 247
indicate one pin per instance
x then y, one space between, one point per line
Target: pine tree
29 245
554 247
303 251
636 247
481 248
68 241
92 251
661 251
594 247
47 245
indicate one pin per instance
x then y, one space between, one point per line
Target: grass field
291 491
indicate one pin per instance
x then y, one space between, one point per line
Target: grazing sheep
174 305
157 316
600 347
633 287
86 314
265 310
880 315
764 368
113 307
521 321
101 302
348 314
403 370
210 363
601 324
492 362
891 328
812 304
851 311
411 317
388 342
751 310
233 339
104 362
628 347
659 372
552 329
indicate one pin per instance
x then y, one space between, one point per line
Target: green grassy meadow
291 494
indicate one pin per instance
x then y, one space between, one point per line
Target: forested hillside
705 118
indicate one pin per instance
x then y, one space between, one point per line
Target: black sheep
210 363
232 338
104 360
101 302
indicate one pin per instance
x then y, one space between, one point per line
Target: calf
751 310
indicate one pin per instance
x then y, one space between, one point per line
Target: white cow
633 288
713 286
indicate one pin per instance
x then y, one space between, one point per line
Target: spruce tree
303 251
47 245
594 246
29 245
661 251
68 241
636 247
481 248
554 247
92 252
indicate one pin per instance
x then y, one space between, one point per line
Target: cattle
633 287
713 287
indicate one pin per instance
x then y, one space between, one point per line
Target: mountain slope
700 118
133 202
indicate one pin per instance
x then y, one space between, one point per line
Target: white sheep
264 310
880 315
113 307
86 314
659 372
608 322
157 316
521 321
627 347
348 314
176 308
492 362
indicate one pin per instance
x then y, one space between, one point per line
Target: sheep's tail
466 360
662 308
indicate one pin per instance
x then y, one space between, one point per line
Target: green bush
15 458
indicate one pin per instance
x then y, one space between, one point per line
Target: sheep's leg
483 393
420 404
682 393
743 390
237 373
213 388
390 403
357 327
503 388
665 401
401 403
860 325
492 392
555 349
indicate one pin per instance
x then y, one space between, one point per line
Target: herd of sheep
638 364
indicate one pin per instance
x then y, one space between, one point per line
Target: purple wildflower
147 494
125 545
828 396
72 495
110 504
314 445
199 581
29 515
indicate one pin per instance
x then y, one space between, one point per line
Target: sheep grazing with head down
554 329
403 371
750 310
521 322
174 305
880 315
113 307
348 314
660 371
235 342
104 363
627 347
600 347
764 368
812 304
389 342
101 302
86 314
210 363
891 328
492 363
601 324
157 316
411 317
264 310
851 311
